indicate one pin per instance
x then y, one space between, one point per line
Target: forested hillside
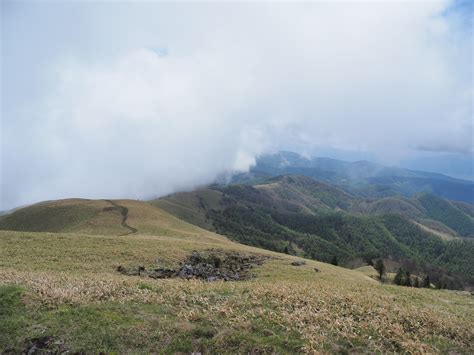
299 215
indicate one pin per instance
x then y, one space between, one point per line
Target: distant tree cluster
404 278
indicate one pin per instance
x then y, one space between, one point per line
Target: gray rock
186 271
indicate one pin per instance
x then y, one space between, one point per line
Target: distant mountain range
362 178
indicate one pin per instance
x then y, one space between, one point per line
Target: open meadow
61 291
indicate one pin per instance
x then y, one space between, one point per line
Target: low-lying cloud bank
169 96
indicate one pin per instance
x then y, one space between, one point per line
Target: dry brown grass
331 310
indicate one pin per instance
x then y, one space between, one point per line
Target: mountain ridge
363 178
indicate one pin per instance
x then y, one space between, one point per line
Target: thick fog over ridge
141 100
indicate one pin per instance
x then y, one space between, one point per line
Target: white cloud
117 118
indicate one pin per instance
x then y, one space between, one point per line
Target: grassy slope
437 229
95 217
55 216
191 207
65 286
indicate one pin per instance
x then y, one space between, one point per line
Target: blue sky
108 99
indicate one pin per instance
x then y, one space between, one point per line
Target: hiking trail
124 212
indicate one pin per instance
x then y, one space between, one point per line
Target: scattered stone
316 269
211 265
298 263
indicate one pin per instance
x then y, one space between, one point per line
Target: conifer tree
398 280
407 279
426 281
380 267
416 283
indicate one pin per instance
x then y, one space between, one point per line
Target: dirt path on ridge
124 212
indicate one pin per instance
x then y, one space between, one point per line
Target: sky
142 99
